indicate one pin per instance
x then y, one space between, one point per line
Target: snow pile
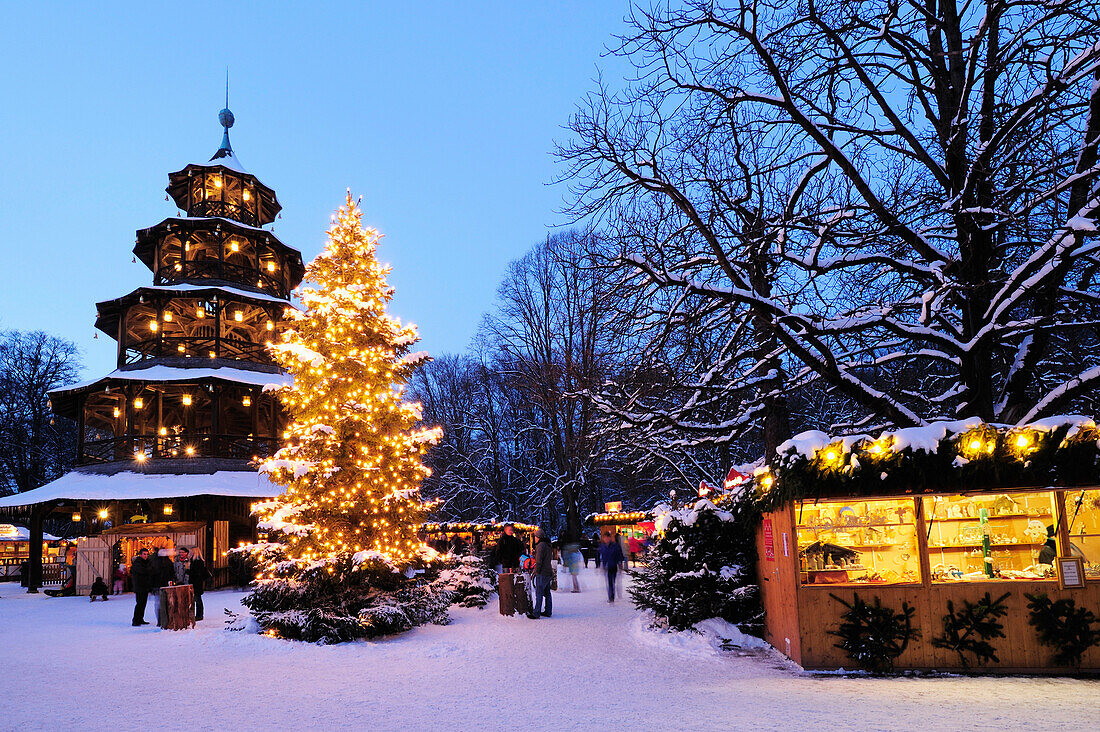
710 637
688 515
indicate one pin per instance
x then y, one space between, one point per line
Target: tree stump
178 607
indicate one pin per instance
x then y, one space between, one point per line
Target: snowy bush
469 581
346 597
702 567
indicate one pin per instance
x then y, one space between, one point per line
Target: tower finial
225 118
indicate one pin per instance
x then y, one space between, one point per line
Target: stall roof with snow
128 486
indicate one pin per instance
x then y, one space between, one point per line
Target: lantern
139 403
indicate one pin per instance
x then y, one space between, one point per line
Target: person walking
544 575
509 549
197 575
611 557
119 576
571 558
142 575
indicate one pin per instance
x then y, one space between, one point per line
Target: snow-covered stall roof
14 532
80 486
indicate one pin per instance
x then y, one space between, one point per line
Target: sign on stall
1071 572
769 541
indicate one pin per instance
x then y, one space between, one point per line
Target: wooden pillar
122 340
1063 524
217 324
255 413
129 395
215 419
922 543
160 423
81 403
39 512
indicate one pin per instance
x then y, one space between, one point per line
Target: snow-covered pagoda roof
14 532
109 311
147 238
63 400
125 486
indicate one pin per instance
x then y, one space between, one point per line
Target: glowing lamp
167 317
246 195
179 267
830 456
1022 441
200 313
139 403
76 516
238 316
190 450
218 182
187 400
168 509
234 246
270 266
213 355
102 513
975 445
139 456
163 431
247 401
118 412
153 325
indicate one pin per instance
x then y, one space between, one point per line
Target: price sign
769 541
1071 572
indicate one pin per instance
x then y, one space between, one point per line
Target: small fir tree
348 562
702 566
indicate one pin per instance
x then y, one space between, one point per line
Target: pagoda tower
188 393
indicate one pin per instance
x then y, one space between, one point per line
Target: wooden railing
197 347
215 269
176 446
233 211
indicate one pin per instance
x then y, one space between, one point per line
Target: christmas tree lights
352 460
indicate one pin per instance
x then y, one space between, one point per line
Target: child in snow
119 585
99 589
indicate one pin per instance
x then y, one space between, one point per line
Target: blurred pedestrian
611 558
143 575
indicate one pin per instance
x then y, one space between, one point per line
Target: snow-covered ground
70 664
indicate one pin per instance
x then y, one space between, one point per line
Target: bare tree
35 447
892 202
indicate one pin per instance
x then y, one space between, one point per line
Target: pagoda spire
226 119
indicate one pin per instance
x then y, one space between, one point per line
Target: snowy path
68 664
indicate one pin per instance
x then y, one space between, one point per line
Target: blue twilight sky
442 115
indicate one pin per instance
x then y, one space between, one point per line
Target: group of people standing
510 551
150 573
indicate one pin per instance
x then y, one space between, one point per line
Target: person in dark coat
142 576
197 575
164 574
611 557
544 575
99 589
509 549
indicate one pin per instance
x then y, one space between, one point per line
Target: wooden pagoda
191 392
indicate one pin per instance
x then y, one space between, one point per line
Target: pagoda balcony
143 448
214 270
225 209
191 350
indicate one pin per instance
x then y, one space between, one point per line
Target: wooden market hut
175 431
479 538
15 552
926 517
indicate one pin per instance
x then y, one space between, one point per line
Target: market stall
97 556
932 519
15 542
471 538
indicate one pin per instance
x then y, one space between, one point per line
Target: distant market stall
630 524
15 542
471 537
931 518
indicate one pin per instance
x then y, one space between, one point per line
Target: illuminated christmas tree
349 563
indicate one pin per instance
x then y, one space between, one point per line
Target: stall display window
1020 528
1083 517
858 542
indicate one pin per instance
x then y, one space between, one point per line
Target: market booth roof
124 486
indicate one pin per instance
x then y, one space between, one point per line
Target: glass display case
858 542
991 537
1083 518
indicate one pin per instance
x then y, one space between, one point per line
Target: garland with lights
943 457
349 563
